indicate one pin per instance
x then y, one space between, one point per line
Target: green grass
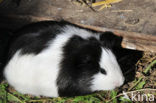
149 66
13 96
6 96
113 96
100 97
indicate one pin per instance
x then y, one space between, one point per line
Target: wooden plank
131 40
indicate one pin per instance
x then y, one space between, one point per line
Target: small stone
132 21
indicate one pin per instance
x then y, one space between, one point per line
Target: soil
129 15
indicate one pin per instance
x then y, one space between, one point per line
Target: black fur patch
33 38
80 63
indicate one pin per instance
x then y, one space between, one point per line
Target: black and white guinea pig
53 59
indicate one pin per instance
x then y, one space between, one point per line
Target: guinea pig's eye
103 71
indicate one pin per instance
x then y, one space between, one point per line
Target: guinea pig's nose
117 84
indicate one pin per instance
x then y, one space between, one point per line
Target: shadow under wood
4 48
13 23
127 59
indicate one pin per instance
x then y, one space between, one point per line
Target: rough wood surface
131 40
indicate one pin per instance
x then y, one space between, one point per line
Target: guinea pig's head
99 64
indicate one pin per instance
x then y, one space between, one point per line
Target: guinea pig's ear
109 40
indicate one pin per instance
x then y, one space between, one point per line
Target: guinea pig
52 59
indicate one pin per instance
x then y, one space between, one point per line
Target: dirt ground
129 15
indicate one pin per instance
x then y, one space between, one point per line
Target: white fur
114 76
36 74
